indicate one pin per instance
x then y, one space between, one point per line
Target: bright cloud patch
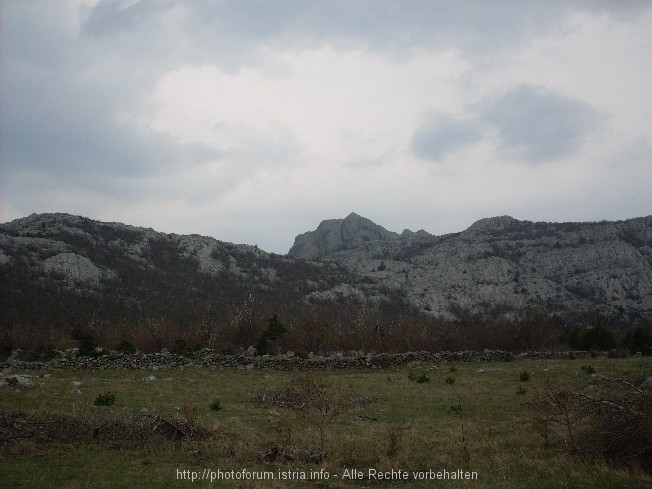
336 104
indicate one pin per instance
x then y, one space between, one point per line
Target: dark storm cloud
72 126
441 135
537 124
540 124
61 118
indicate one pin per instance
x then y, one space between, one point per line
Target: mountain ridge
497 263
505 262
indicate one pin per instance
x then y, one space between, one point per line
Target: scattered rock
17 381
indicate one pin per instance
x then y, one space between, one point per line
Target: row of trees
341 327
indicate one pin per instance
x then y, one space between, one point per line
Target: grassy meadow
473 417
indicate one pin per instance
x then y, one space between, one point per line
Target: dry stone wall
338 361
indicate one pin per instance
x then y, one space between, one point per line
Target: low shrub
216 405
302 354
589 369
418 378
181 347
524 376
115 430
456 408
618 353
125 346
106 399
43 353
315 401
394 441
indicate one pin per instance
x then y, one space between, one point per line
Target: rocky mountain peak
334 235
497 223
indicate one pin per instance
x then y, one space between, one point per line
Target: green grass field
481 421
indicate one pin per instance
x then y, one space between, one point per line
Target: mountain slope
501 263
58 269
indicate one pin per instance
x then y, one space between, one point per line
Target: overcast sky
253 120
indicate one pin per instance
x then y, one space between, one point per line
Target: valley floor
424 425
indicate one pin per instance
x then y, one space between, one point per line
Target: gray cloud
109 17
74 126
62 108
537 124
71 74
372 24
479 28
442 134
540 124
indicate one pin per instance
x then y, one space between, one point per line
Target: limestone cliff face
76 269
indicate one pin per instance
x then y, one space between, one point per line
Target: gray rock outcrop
335 235
75 268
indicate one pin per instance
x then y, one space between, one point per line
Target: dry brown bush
608 418
142 429
312 400
620 415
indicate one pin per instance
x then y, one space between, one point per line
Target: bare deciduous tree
314 401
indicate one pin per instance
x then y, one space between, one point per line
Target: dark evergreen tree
275 329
